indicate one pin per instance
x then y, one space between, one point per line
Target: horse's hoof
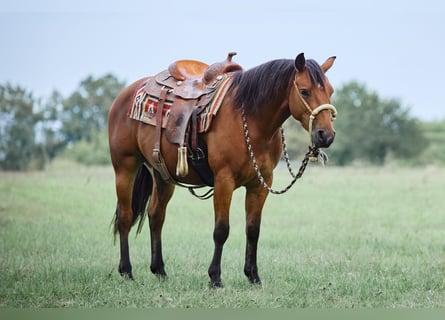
158 270
216 284
127 275
256 282
161 276
253 278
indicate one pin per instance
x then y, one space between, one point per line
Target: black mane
266 83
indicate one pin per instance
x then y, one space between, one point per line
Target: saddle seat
187 69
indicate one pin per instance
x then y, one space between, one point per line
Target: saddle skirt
146 99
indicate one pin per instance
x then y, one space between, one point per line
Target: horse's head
310 100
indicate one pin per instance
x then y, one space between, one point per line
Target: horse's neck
268 120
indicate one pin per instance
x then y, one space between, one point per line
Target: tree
49 126
435 151
370 128
17 121
85 112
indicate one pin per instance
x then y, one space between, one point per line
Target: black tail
142 188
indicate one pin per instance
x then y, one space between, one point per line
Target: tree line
34 131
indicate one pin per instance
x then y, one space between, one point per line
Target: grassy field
341 238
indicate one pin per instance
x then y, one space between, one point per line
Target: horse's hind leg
162 193
125 175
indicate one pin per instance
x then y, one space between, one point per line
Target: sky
395 48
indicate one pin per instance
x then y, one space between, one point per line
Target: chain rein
312 152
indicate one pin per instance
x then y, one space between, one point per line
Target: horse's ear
328 64
300 62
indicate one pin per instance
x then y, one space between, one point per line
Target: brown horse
264 96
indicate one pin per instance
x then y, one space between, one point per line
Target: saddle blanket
144 106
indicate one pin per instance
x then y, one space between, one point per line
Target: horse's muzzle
322 138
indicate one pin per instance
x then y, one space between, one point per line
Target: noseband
313 113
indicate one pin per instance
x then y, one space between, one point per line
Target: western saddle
189 85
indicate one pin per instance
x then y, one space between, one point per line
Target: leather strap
161 102
159 161
194 130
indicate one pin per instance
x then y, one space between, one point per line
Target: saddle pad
144 106
206 116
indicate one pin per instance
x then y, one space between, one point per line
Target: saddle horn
221 67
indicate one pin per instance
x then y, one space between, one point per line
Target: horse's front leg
221 201
255 198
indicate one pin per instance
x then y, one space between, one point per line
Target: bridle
313 154
313 113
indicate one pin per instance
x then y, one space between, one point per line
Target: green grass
341 238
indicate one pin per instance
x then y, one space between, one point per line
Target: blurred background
62 64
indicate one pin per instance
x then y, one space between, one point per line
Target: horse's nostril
321 135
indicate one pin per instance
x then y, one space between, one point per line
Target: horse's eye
304 93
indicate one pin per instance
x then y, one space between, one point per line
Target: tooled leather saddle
189 86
